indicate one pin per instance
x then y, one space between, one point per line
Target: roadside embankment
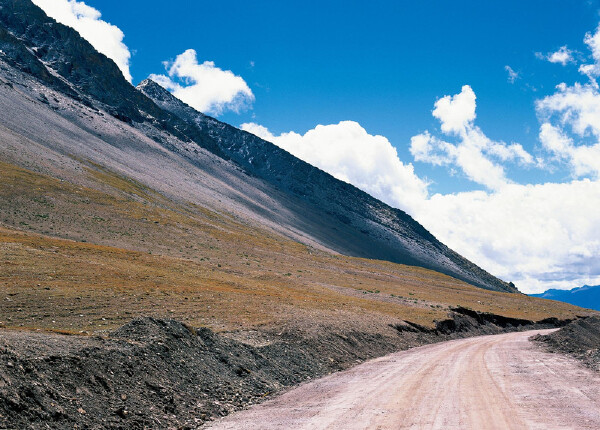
580 339
153 373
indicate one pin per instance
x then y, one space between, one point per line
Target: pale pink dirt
488 382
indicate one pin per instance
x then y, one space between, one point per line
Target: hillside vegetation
129 251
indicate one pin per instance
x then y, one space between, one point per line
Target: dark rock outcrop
462 321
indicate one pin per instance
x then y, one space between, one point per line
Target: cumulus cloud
538 236
457 112
104 37
583 159
570 118
348 152
204 86
576 107
592 71
563 56
474 153
512 75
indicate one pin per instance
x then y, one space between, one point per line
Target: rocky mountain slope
325 212
586 296
378 230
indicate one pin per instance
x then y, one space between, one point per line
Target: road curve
487 382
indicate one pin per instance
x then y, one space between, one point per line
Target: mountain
376 230
284 193
585 297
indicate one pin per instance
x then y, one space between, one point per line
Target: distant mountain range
586 296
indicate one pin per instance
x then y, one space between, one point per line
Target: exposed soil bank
580 339
163 374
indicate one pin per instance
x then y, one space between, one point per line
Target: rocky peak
57 51
151 88
169 102
185 117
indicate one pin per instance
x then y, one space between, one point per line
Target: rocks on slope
381 232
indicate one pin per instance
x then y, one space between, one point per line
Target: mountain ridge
587 296
242 143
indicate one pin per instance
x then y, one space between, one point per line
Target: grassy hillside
89 258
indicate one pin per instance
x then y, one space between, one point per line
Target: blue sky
381 65
448 110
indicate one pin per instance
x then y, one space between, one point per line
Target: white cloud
512 75
104 37
593 42
538 236
474 152
205 87
570 117
563 56
457 112
592 70
555 141
349 153
583 159
425 147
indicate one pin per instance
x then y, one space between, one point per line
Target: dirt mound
152 330
581 339
463 321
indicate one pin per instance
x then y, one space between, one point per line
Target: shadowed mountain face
376 229
168 146
586 296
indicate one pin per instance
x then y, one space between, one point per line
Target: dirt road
488 382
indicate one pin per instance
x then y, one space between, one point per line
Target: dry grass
147 255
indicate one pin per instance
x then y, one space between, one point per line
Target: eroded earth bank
155 373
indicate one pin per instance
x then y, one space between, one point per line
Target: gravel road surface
489 382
